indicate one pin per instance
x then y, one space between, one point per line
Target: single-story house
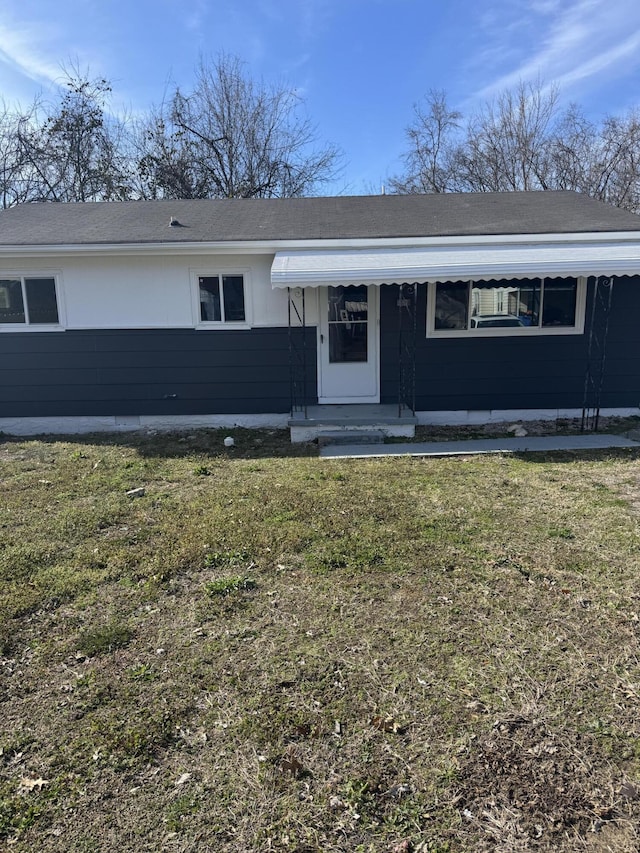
394 310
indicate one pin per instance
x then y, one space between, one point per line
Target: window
347 323
507 307
221 299
28 301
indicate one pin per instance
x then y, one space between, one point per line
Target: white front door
348 356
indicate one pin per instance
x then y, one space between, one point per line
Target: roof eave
270 246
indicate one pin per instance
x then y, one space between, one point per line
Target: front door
348 356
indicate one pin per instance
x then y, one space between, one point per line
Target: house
456 308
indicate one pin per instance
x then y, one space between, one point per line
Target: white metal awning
477 262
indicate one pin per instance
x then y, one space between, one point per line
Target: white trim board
480 417
128 423
166 423
290 245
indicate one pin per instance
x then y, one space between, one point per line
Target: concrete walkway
529 444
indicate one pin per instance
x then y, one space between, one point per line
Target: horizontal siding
152 391
148 372
535 372
136 340
159 359
225 371
84 408
251 377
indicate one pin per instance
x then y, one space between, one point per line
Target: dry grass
269 651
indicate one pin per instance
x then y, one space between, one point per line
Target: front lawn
253 649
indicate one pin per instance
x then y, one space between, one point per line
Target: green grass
270 651
104 638
228 585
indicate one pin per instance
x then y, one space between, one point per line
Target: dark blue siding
184 371
519 372
148 372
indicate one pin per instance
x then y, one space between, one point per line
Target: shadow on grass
572 456
248 443
267 444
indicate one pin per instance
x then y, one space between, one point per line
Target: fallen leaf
398 791
629 791
136 493
27 784
291 764
387 724
183 779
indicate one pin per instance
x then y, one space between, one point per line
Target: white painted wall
147 291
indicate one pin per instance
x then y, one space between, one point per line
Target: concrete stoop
351 424
349 436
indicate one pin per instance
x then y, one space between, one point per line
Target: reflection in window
221 298
28 301
41 300
505 303
347 317
452 305
559 308
233 291
11 302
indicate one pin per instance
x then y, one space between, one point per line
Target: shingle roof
366 217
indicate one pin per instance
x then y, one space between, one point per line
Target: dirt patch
561 426
527 786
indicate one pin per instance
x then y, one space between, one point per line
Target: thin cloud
546 7
586 39
603 61
21 48
313 18
197 16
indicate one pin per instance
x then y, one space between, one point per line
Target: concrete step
351 436
364 418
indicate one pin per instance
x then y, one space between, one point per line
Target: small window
507 306
28 301
221 298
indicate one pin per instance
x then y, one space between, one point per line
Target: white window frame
27 326
508 331
197 274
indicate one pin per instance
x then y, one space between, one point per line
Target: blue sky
360 65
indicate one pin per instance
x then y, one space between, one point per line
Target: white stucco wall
151 291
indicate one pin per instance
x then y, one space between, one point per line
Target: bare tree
15 183
615 162
232 137
72 147
506 142
429 157
521 141
571 150
162 162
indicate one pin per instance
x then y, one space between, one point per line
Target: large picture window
221 299
28 301
506 307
